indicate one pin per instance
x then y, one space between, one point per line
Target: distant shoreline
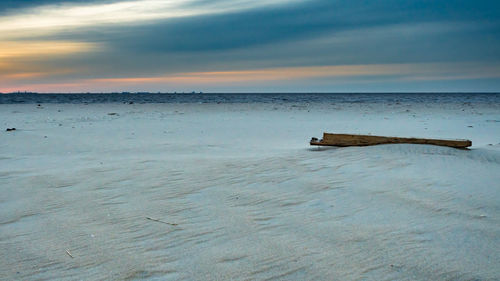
237 93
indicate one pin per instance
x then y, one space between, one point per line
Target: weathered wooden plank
365 140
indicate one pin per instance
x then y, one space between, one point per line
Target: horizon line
256 92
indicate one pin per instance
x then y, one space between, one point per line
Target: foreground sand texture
234 192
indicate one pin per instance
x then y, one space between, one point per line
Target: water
252 98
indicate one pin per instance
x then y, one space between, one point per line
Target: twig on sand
69 254
157 220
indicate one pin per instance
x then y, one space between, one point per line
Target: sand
244 196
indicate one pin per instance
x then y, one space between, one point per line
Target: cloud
10 6
15 50
50 19
328 76
282 26
407 71
162 39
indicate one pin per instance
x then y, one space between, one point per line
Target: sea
90 98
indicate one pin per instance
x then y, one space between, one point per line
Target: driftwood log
365 140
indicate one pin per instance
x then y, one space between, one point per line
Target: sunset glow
338 74
16 50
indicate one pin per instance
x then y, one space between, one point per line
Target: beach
232 191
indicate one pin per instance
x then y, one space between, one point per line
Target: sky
250 46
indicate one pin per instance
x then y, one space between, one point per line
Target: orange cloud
272 74
337 73
23 49
24 62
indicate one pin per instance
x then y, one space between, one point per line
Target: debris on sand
157 220
365 140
